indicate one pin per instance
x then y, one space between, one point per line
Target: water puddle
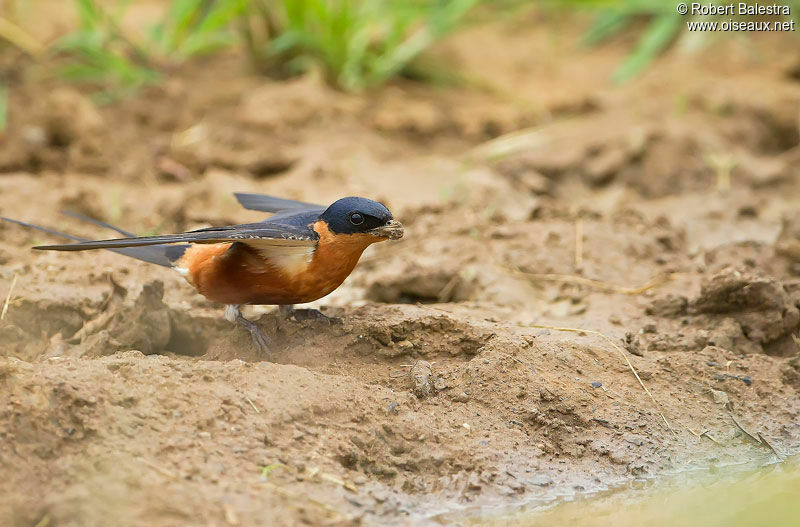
733 496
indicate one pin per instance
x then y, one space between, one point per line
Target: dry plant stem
758 438
158 468
748 434
20 38
230 514
599 284
622 353
764 441
253 405
447 290
8 298
508 144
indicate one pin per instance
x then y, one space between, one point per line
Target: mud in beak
392 229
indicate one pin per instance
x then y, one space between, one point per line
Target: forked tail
165 255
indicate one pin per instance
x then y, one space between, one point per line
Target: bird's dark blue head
361 216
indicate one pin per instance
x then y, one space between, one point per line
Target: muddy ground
662 213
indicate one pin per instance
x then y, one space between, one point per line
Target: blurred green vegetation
101 52
356 44
660 27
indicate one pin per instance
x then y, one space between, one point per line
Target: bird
301 253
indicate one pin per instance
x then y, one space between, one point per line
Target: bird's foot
308 314
260 340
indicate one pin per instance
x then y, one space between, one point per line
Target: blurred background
588 164
443 76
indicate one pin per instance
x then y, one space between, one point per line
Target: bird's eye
356 218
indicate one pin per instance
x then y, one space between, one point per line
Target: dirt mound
737 310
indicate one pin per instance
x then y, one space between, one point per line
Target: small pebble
597 384
461 397
405 344
720 397
421 374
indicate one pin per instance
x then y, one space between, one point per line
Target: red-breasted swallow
298 255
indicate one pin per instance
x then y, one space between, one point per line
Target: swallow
301 253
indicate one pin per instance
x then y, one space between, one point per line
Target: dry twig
599 284
764 441
748 434
447 291
158 468
20 38
253 405
8 298
230 514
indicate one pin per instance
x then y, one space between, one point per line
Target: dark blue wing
264 203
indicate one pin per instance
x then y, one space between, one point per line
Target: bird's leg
261 341
289 311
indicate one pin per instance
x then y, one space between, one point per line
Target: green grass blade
178 21
83 72
446 14
89 14
661 31
3 106
607 24
204 44
295 11
441 20
222 15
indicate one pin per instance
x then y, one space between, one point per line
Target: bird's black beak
392 230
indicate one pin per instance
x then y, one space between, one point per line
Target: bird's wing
295 218
264 203
99 223
258 235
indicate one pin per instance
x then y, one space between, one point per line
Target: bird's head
362 216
